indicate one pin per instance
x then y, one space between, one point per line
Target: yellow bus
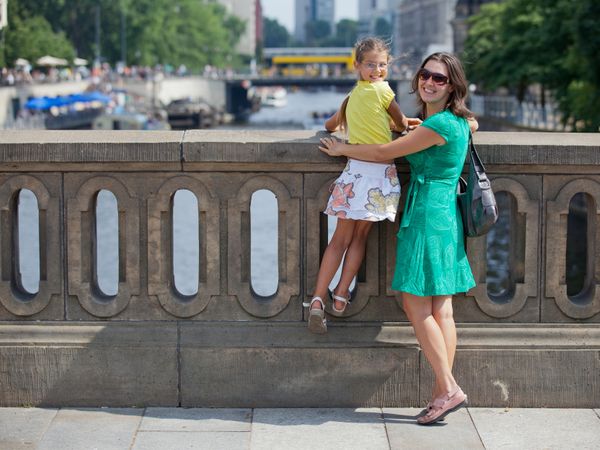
295 60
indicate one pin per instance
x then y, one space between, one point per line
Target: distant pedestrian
365 192
431 264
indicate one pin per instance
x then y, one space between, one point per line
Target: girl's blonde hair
361 48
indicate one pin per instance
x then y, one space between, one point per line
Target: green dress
430 257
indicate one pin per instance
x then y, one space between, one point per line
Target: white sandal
339 298
316 316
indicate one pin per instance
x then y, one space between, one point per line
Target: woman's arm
415 141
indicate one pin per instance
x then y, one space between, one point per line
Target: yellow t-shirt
366 113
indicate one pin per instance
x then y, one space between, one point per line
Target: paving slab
455 432
191 440
196 419
92 428
533 429
22 428
317 428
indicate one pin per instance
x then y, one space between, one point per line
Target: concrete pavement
262 429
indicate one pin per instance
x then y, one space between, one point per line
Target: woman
431 264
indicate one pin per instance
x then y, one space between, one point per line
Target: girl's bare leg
332 257
353 259
431 339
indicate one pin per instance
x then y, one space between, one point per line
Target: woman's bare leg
431 339
353 259
443 315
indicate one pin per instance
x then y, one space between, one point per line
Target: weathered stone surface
318 429
88 364
161 440
43 150
537 428
196 419
268 366
456 432
545 378
107 428
22 428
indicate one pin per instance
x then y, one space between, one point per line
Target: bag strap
475 160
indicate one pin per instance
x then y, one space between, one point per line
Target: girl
431 264
365 192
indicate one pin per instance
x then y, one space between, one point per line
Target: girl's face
434 84
373 67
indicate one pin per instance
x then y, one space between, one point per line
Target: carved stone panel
587 304
80 237
524 289
17 302
160 257
316 195
238 248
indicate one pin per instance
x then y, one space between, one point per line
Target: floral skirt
365 191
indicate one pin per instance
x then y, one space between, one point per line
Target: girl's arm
333 123
399 119
415 141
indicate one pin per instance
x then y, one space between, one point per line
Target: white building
422 28
369 11
311 10
251 13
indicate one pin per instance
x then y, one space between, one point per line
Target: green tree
383 28
275 34
317 31
191 32
550 43
30 36
346 32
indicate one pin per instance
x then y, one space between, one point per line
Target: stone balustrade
70 344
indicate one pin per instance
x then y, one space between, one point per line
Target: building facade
423 27
370 11
311 10
250 11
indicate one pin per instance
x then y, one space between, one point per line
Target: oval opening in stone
264 243
28 242
186 243
106 246
501 249
579 264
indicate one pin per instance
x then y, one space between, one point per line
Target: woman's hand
331 146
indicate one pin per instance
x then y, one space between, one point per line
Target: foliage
31 36
275 34
190 32
554 44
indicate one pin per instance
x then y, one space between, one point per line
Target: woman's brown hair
456 78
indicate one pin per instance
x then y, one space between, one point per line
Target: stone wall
226 346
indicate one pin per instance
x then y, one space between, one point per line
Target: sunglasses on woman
437 78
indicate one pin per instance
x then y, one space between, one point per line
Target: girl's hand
413 122
331 146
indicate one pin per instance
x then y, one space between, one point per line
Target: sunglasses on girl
437 78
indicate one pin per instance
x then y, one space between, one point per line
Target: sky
283 11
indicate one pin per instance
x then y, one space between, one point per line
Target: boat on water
128 120
275 97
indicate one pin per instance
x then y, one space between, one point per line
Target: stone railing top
234 150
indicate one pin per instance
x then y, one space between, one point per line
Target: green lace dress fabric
430 257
